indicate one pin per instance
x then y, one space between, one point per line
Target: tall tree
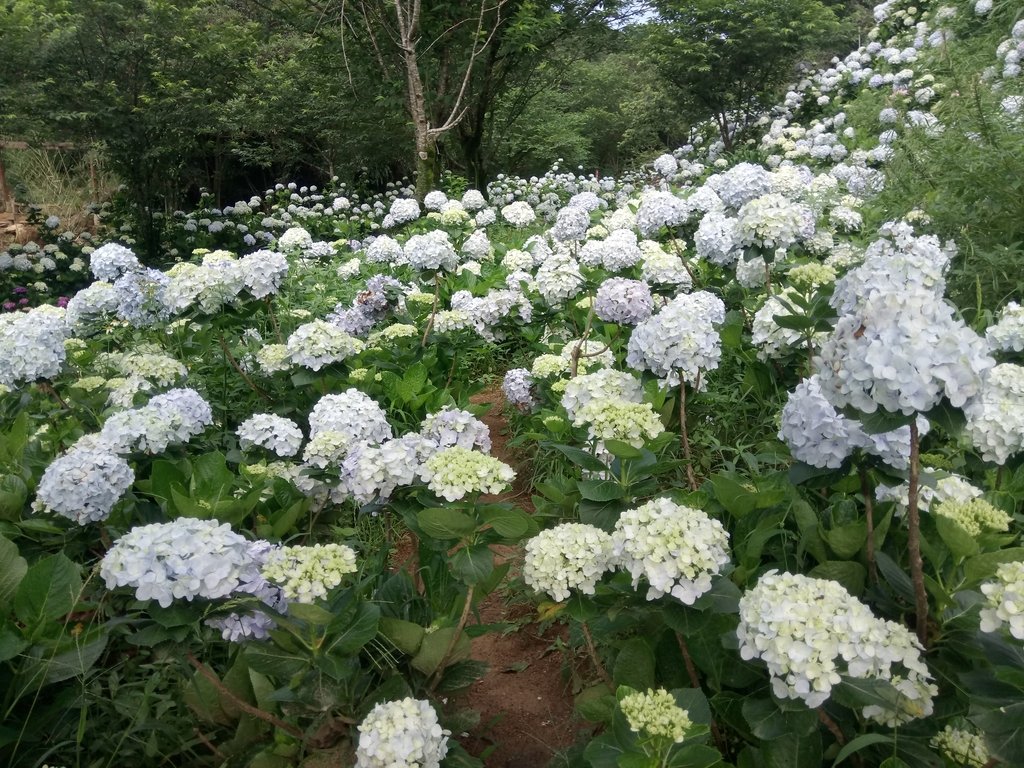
728 58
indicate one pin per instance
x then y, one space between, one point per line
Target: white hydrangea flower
933 489
432 251
995 415
680 341
320 343
567 557
31 346
741 184
662 268
546 366
435 200
815 433
774 221
975 516
517 387
519 214
401 734
592 354
773 340
676 549
717 238
898 262
306 574
87 308
455 427
811 631
273 358
85 483
275 433
559 278
655 714
295 239
1007 334
665 165
403 210
111 260
384 250
455 472
615 419
376 471
473 200
661 209
620 300
183 559
175 417
351 412
903 351
1005 600
962 747
263 272
604 384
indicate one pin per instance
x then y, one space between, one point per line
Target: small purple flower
23 302
19 289
63 301
9 305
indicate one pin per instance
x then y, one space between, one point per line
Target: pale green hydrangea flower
307 573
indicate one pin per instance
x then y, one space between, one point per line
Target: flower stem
455 637
592 650
869 512
685 436
433 309
914 538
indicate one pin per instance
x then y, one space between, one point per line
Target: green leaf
76 658
310 613
737 499
48 591
472 564
982 567
621 450
405 635
634 665
600 490
13 493
596 704
211 478
510 523
353 632
12 569
433 649
579 457
961 544
11 642
445 523
859 743
793 751
895 576
847 540
850 574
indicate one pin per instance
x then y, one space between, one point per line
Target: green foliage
729 57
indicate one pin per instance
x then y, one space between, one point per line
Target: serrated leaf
445 523
634 665
509 523
12 570
48 591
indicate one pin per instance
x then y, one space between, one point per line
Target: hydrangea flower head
656 714
275 433
674 548
85 483
811 631
456 472
401 734
680 341
620 300
567 557
1005 600
182 559
306 574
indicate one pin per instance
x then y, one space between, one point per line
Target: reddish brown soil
525 703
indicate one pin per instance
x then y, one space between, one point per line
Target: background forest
178 95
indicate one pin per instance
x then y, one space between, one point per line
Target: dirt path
525 704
